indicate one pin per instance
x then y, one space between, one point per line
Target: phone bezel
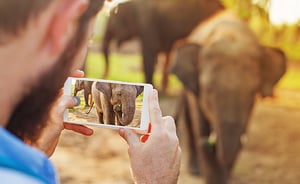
144 112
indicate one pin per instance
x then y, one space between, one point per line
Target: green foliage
290 80
256 14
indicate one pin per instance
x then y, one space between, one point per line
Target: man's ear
63 23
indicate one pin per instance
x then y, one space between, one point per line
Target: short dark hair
15 14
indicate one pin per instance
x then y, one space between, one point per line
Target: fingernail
121 131
77 99
145 137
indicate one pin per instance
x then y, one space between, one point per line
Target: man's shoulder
15 177
18 160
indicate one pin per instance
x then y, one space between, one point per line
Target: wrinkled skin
86 86
157 24
222 69
115 100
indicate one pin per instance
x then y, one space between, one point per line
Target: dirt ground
271 152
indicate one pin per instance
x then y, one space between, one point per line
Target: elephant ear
185 66
273 67
105 88
139 90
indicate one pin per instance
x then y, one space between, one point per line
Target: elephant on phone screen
222 70
115 103
158 24
86 86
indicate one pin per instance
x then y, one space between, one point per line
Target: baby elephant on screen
115 103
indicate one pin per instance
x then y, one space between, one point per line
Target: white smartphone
108 104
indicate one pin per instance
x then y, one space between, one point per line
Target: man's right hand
158 159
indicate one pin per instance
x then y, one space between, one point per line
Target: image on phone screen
111 104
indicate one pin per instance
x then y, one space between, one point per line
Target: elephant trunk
125 113
228 144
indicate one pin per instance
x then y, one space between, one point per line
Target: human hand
48 139
157 160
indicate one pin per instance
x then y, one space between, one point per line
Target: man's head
50 36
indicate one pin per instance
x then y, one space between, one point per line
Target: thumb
129 136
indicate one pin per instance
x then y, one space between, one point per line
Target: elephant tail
90 108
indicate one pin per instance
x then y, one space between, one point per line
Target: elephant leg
149 59
180 105
193 162
165 78
100 117
183 109
204 153
214 173
86 98
91 99
201 151
198 130
75 92
83 67
109 115
105 49
106 69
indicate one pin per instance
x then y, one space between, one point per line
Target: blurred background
271 146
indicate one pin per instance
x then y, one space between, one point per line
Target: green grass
122 67
125 67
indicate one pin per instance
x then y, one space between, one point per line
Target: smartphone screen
108 104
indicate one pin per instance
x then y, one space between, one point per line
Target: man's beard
31 114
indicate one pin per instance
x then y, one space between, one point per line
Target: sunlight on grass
291 80
126 67
123 67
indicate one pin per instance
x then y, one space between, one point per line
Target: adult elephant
86 86
222 67
157 24
121 27
115 100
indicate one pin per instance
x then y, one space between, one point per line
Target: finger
68 101
79 129
78 73
169 123
64 102
77 99
129 136
154 111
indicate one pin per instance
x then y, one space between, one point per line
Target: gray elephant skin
86 86
222 67
115 103
158 24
